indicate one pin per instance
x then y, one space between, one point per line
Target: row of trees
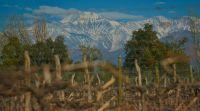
40 52
41 47
144 46
15 39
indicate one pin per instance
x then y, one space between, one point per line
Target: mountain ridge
89 28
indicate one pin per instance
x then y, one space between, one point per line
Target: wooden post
174 73
146 80
47 74
27 101
120 90
137 67
98 78
165 79
88 80
191 74
27 80
61 94
27 62
157 76
139 75
27 67
58 68
73 82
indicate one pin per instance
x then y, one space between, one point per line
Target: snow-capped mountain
91 29
109 36
163 26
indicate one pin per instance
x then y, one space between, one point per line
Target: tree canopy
43 52
146 47
12 52
16 39
40 52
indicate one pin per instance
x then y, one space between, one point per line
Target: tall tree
3 41
43 52
61 49
40 29
15 27
12 53
145 47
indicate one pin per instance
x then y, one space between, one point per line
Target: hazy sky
116 9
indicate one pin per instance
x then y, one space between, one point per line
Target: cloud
65 13
172 12
28 15
18 7
28 8
12 6
50 10
160 6
119 15
160 3
54 11
68 14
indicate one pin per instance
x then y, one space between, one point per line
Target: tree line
41 47
16 38
144 46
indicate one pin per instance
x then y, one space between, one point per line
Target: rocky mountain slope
88 28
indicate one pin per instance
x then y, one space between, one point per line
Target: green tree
3 42
145 47
61 49
40 29
40 53
12 53
43 52
15 27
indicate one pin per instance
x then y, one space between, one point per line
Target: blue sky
130 9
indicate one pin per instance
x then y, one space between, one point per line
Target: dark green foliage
40 52
61 49
144 46
148 50
12 53
43 52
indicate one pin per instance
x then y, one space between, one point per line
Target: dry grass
54 94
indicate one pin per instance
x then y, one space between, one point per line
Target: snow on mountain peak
109 35
114 23
89 16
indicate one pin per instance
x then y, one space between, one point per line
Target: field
76 87
99 55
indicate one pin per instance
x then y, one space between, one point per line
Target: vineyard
46 88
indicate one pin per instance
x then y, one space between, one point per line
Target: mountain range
89 28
